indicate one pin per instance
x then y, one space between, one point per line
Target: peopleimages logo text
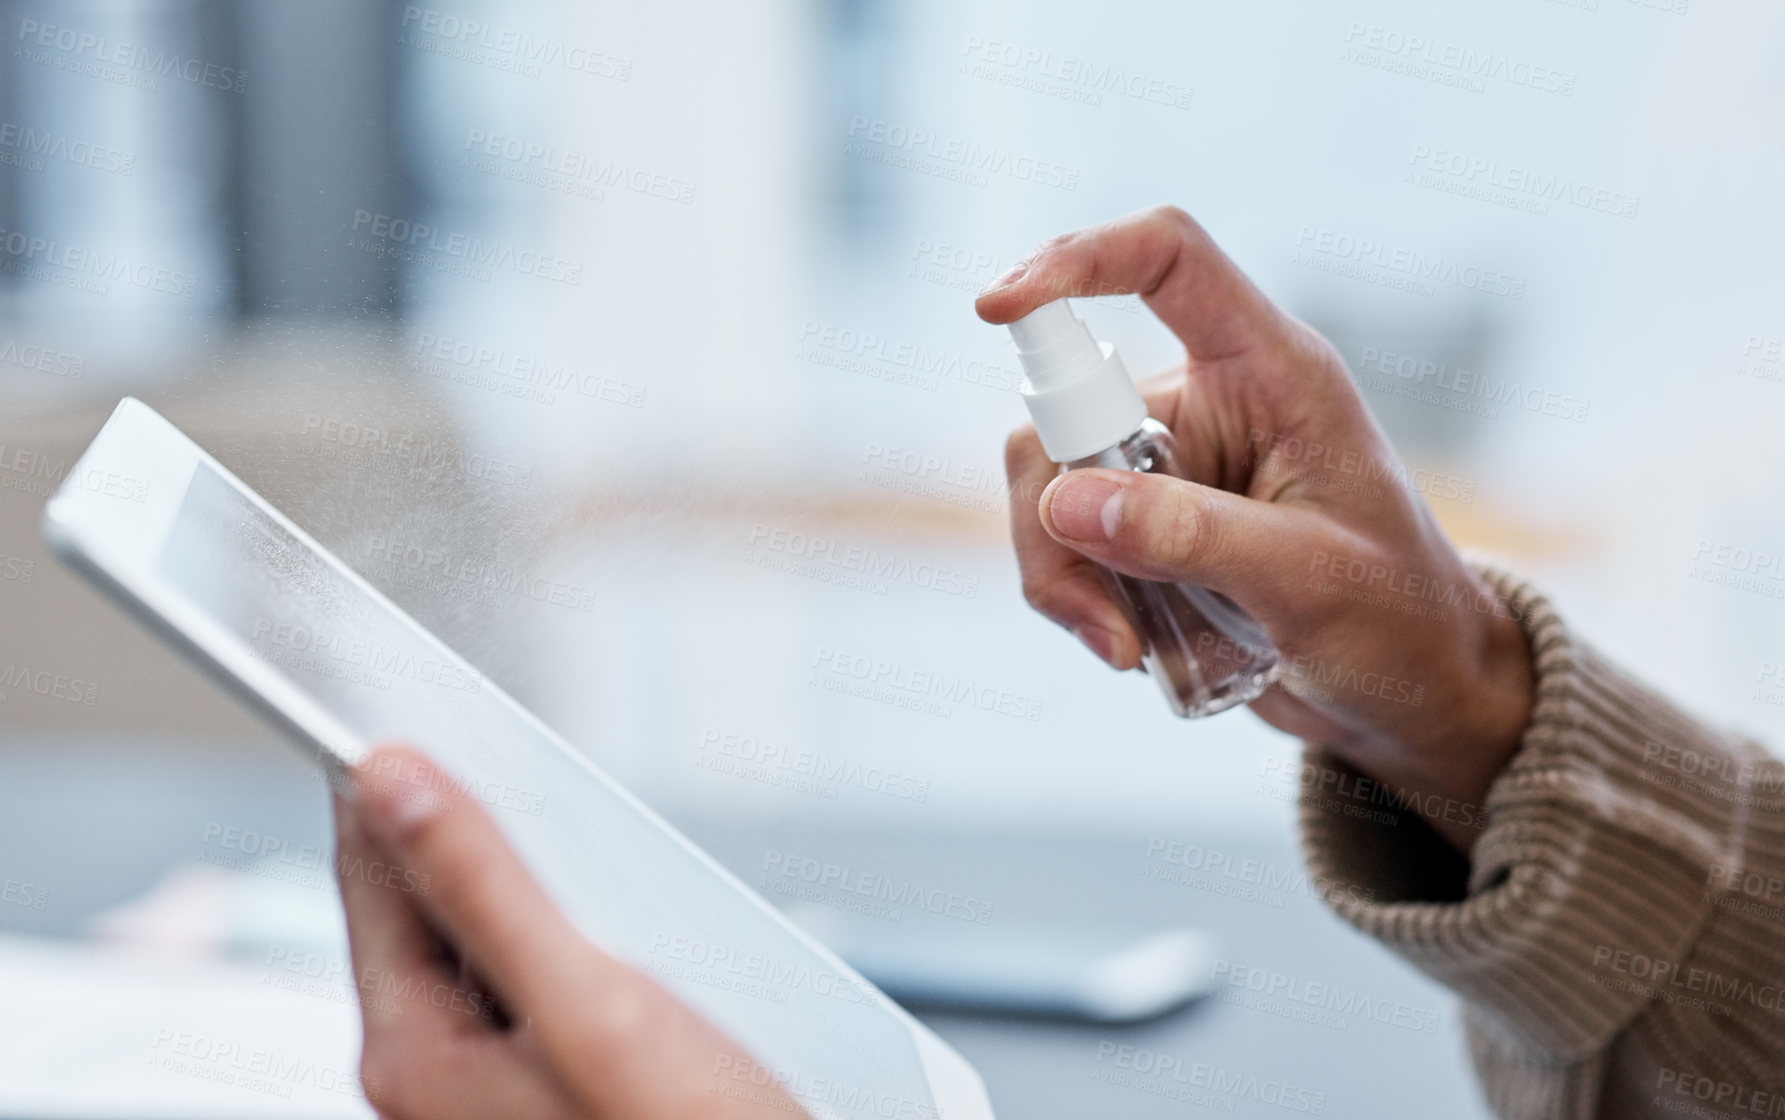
424 238
516 49
1412 264
969 158
1464 62
83 45
27 146
1522 181
551 166
89 270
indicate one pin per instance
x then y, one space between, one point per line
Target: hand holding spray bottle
1207 654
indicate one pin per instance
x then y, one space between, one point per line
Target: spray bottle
1206 653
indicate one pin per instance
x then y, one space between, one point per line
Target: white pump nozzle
1079 393
1055 345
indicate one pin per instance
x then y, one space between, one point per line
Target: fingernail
396 814
416 806
1101 642
1086 509
1010 277
395 807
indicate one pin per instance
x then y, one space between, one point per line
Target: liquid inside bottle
1207 654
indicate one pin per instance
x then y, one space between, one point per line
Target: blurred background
670 305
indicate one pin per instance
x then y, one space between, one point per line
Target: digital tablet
234 585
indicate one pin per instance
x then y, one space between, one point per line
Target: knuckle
1176 222
1065 261
1175 217
385 1084
1024 498
1042 256
1179 532
1020 448
428 837
628 1011
635 1012
1027 471
1047 598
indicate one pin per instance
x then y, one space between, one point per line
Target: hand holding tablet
481 1000
251 598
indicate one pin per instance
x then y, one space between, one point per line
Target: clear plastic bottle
1206 653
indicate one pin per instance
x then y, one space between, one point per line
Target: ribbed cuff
1589 879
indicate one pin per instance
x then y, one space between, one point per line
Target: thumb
630 1047
478 893
1156 527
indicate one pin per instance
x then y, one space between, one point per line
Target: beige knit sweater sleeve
1618 934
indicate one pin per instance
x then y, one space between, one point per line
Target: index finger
1163 255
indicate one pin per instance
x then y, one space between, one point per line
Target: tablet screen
636 888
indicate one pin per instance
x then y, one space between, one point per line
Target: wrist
1443 772
1493 694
